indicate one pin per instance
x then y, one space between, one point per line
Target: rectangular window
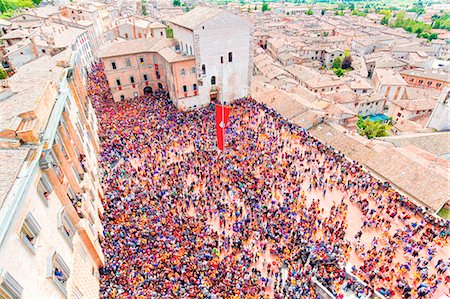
182 72
10 288
184 88
44 188
141 60
113 65
193 70
66 226
77 175
72 196
122 97
132 80
60 272
145 77
82 253
55 166
128 62
221 59
30 230
230 57
194 86
60 144
118 82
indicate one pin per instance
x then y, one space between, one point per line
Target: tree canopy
7 7
371 129
3 74
265 6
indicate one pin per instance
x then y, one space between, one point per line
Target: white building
221 44
50 192
440 117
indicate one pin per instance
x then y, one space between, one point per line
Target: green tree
169 32
351 6
432 36
339 72
176 3
322 12
371 129
425 35
12 5
309 12
336 63
385 20
144 7
265 6
3 74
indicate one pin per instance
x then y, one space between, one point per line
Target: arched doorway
148 90
160 86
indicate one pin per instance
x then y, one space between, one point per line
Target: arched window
203 69
213 80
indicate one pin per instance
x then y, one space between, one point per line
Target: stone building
440 117
195 67
50 192
389 84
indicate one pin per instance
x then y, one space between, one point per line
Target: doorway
148 90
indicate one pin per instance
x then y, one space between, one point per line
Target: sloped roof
394 165
421 182
196 17
135 46
437 143
12 160
156 25
171 56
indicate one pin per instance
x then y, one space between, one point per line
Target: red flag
222 113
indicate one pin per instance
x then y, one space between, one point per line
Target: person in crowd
274 215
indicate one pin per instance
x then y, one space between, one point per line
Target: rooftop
171 56
437 143
389 77
12 160
26 87
428 74
196 17
394 165
134 46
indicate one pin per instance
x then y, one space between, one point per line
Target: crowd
266 218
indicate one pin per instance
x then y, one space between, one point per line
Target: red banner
222 113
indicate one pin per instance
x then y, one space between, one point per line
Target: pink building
141 66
